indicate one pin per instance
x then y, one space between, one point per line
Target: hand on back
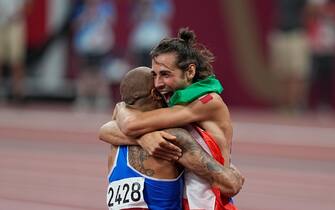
160 145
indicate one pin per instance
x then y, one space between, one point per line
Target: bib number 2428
126 192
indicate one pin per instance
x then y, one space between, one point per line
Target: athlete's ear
190 73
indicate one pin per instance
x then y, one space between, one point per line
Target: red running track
52 160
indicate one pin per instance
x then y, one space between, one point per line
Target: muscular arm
160 142
161 145
213 114
194 158
136 124
111 133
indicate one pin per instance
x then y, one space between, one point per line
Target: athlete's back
129 188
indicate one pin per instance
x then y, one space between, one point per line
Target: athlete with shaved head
183 74
139 180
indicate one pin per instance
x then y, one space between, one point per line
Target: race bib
126 193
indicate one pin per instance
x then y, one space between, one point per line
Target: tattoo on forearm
199 162
137 156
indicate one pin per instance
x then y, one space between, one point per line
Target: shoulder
207 107
208 101
118 106
210 97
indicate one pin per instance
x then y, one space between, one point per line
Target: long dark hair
187 51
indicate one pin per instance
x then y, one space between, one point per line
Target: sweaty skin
177 63
227 179
212 116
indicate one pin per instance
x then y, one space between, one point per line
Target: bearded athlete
138 180
182 68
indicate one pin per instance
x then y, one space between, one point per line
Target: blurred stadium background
50 157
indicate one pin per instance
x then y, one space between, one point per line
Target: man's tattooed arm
194 158
137 158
